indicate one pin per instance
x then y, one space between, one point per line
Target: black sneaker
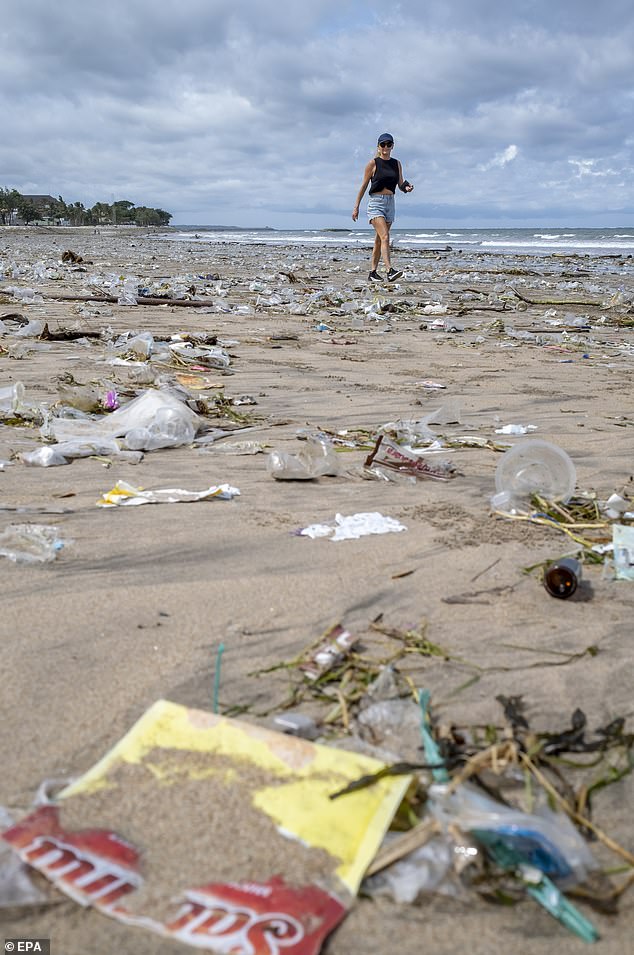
374 276
394 274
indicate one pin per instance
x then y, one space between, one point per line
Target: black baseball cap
385 138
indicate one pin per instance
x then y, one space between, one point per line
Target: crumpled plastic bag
55 455
426 869
16 888
544 839
155 419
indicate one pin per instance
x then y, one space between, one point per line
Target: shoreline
613 243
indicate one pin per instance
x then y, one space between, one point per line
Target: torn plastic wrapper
234 447
391 455
246 775
210 357
126 494
331 651
623 541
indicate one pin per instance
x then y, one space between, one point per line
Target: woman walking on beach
384 174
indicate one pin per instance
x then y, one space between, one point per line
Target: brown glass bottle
562 577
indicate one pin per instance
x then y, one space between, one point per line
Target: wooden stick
403 845
578 818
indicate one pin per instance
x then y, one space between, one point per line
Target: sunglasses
386 145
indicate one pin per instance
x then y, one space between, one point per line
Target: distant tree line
14 206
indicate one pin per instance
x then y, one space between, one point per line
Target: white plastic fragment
32 329
516 429
616 506
354 526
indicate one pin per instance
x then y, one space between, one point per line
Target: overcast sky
259 112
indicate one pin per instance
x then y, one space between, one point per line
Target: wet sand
136 603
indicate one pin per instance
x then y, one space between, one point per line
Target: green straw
219 653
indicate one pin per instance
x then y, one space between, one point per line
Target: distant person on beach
384 173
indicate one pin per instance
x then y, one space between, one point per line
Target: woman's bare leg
376 251
381 242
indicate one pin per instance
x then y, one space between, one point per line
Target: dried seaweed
540 755
579 514
345 683
395 769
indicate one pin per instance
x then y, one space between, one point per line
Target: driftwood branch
140 300
551 301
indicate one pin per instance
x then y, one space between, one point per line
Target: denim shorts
381 205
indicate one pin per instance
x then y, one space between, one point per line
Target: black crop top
385 175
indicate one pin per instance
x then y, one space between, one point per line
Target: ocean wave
571 244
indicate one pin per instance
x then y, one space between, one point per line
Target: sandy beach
138 599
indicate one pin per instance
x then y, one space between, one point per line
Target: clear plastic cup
536 467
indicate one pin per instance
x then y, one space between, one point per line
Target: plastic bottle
128 291
562 577
12 397
317 458
30 543
170 429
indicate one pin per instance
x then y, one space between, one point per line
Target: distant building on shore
41 203
45 207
